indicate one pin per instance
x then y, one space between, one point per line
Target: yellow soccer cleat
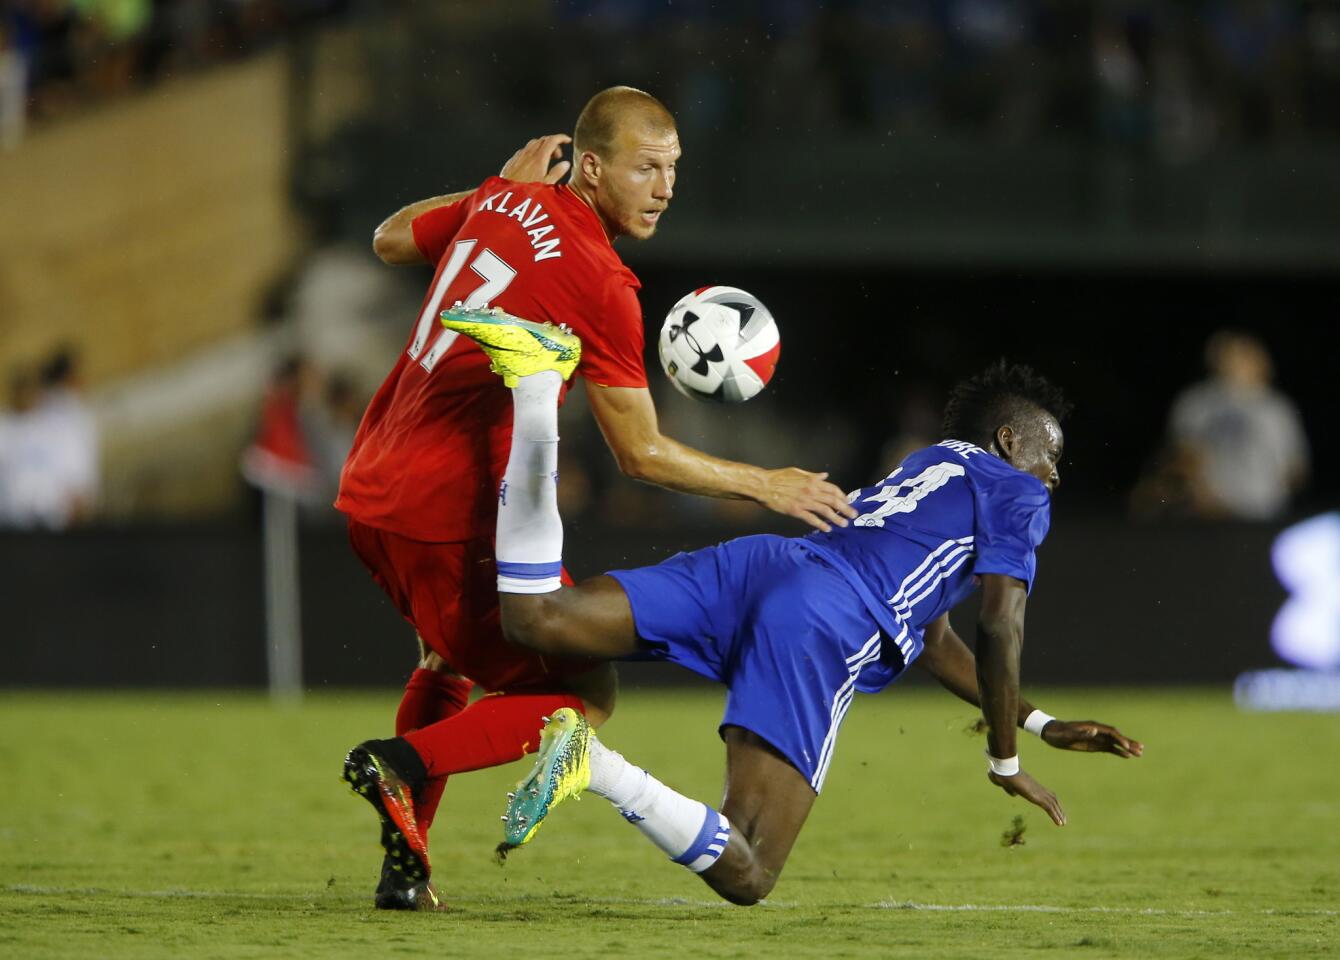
562 770
518 348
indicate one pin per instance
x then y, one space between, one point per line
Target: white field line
181 894
1048 908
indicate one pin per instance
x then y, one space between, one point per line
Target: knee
598 689
528 621
744 889
749 893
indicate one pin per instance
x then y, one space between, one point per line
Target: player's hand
1089 736
1022 785
530 164
806 496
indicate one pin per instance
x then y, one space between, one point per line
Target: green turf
210 825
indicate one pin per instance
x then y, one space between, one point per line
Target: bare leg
592 619
766 801
740 850
597 688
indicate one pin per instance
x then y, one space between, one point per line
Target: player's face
1035 447
637 182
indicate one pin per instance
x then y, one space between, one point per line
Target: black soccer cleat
397 892
387 773
394 892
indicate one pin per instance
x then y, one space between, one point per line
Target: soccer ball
720 344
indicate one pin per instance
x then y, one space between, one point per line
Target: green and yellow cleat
518 348
562 770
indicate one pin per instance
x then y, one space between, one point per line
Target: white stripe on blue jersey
841 701
922 533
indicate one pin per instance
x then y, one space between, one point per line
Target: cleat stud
511 795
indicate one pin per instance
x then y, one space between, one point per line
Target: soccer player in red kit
421 484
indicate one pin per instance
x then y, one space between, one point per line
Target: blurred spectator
303 435
1253 57
328 430
991 80
73 51
280 458
1236 446
1121 54
1321 66
44 32
13 91
48 449
113 36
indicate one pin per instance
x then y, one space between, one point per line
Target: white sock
691 833
530 531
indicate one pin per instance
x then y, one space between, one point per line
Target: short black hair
979 405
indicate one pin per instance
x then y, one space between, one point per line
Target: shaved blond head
612 111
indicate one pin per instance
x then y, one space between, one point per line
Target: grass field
210 825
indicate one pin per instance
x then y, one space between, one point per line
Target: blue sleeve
1013 514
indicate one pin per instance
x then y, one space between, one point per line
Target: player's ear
590 167
1006 441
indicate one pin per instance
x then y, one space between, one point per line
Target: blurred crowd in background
1233 448
1176 78
1171 80
58 56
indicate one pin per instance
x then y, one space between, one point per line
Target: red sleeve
612 348
435 229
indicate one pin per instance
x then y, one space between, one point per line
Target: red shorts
449 592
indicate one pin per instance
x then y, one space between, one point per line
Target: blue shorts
785 632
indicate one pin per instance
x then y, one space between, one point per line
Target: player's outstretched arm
393 240
947 658
627 418
1000 638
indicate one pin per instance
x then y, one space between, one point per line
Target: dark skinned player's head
1010 411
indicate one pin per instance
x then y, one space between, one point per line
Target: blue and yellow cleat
516 347
562 770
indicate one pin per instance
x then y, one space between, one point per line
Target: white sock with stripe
690 832
530 531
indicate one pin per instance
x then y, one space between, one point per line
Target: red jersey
434 442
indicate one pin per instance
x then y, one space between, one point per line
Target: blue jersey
948 514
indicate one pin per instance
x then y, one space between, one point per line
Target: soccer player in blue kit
793 626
